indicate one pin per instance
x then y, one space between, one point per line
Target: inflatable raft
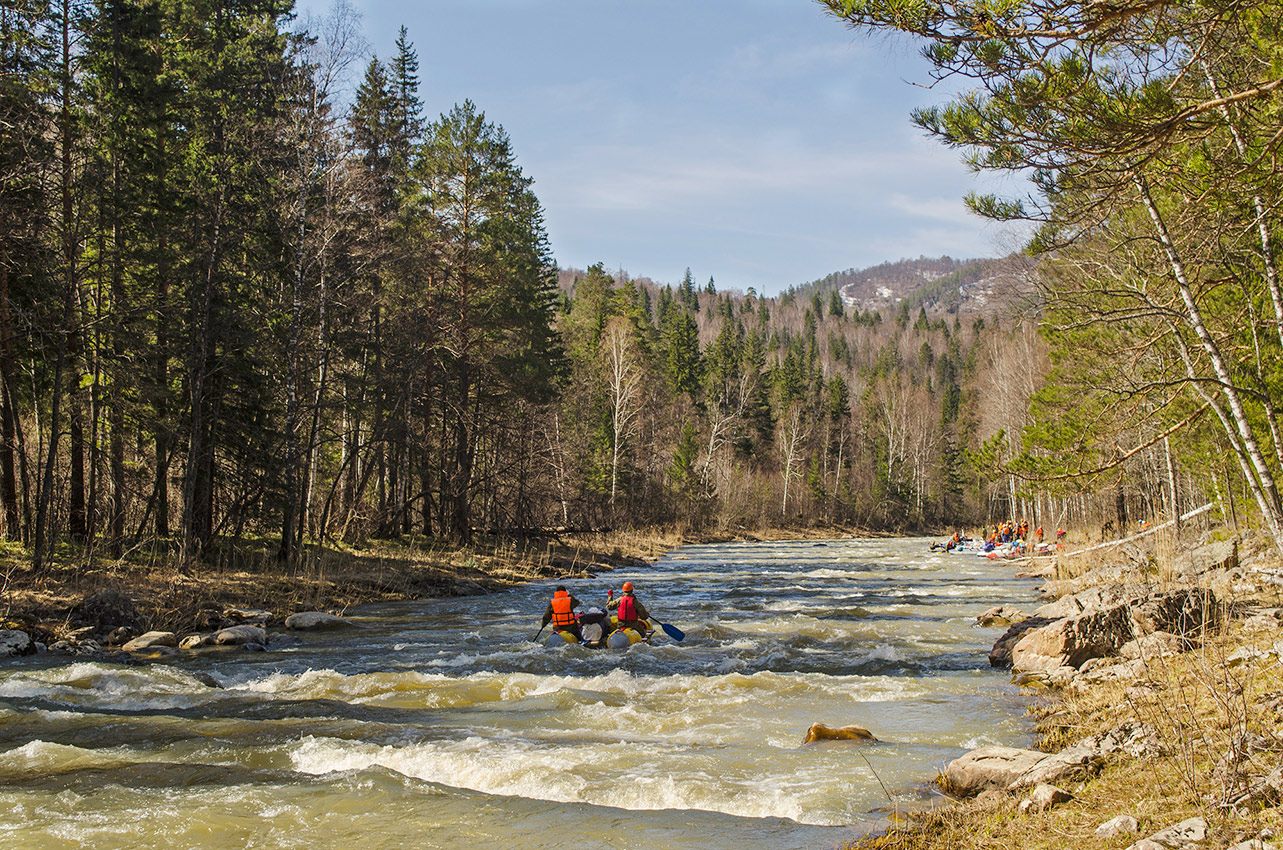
617 639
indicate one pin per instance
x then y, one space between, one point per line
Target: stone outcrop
1103 622
107 610
1073 640
1010 768
1000 655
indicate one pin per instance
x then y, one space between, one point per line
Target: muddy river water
440 724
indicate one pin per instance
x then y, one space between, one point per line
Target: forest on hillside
1147 140
236 301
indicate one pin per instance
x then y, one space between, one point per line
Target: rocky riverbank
103 609
1160 726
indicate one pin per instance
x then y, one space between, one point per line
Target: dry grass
1220 725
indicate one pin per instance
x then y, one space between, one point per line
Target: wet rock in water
1187 833
1000 615
14 643
207 680
240 636
820 732
1121 825
1044 797
310 620
151 640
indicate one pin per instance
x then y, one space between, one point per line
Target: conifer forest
237 300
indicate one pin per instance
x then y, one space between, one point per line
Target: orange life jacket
561 613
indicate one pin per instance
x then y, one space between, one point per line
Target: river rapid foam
441 724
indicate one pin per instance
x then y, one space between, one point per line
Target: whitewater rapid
439 724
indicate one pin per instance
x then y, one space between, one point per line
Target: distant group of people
1008 533
628 609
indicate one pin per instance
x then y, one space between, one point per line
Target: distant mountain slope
940 284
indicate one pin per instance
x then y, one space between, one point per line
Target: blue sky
755 141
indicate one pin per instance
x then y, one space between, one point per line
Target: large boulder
14 643
1096 598
1000 655
151 640
1073 640
311 620
240 636
1185 612
1010 768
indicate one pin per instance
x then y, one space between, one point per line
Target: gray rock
14 643
240 636
305 620
1000 655
1252 844
150 640
1243 655
194 641
1071 641
1187 833
1266 621
1044 797
1011 769
1061 677
988 767
1185 612
1121 825
1116 671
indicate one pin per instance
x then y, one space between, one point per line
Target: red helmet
628 585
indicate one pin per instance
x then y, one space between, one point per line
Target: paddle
672 631
538 633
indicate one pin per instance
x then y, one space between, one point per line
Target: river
439 724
